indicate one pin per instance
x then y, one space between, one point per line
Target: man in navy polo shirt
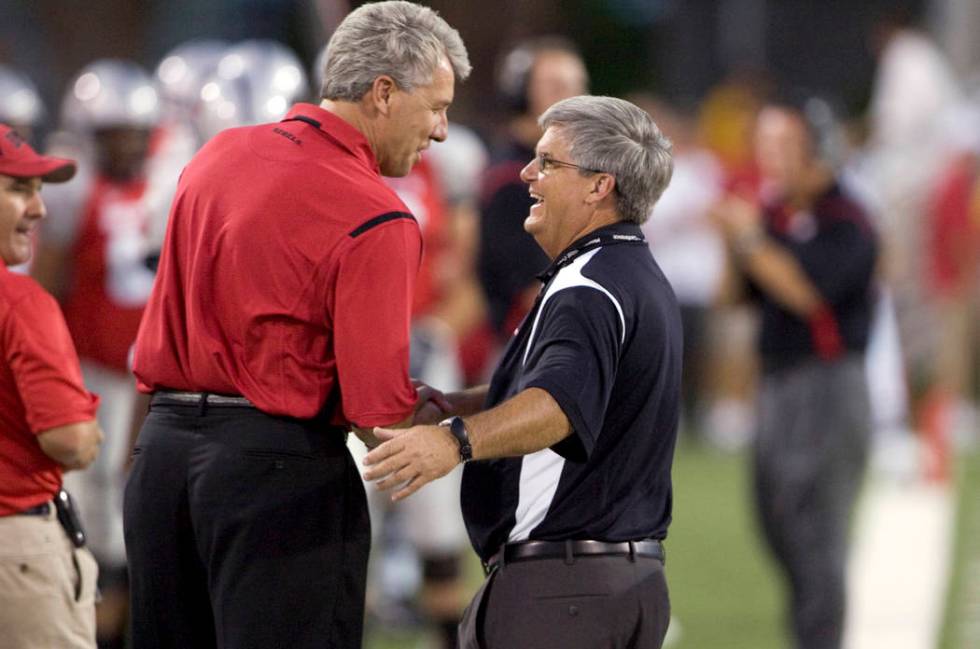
568 493
807 254
279 320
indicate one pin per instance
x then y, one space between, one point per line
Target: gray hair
616 137
400 39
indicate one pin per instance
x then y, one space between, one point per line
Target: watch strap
457 427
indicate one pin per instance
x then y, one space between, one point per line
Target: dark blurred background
677 48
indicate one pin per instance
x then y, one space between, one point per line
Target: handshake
407 455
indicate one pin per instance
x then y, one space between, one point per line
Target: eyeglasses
545 163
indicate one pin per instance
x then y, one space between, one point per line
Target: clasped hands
408 458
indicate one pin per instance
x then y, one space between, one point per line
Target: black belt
37 510
569 550
200 399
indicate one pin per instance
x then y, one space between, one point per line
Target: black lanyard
585 245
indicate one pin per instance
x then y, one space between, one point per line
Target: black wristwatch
458 429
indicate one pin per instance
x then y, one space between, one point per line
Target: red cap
19 160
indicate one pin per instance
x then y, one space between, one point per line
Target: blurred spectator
179 77
686 242
91 257
531 77
725 127
460 163
807 253
727 119
953 265
913 86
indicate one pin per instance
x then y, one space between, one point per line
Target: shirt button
573 610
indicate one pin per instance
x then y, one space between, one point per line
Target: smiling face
413 120
563 210
20 210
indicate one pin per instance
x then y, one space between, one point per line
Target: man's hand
737 216
432 405
409 459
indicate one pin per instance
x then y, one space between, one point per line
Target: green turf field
724 589
962 627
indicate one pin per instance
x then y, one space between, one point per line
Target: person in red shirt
47 426
278 321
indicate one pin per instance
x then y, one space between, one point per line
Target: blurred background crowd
133 89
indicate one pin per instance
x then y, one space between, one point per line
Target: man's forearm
528 422
780 276
73 446
469 401
523 424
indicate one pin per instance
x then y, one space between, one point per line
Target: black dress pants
598 602
244 530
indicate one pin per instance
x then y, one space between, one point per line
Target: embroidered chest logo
286 134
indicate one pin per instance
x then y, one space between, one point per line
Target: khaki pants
47 587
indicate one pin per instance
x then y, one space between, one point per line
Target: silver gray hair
618 138
400 39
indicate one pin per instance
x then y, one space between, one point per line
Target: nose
441 131
530 172
35 207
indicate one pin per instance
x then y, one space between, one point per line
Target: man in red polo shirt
47 426
279 320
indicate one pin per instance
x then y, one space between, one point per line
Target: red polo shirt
40 388
288 267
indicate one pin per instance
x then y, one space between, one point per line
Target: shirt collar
612 234
338 130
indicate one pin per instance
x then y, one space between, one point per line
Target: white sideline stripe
570 277
899 566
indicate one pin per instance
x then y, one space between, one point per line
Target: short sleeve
372 316
44 363
574 358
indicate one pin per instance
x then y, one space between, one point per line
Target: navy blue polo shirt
837 248
603 339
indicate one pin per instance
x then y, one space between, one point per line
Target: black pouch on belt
68 517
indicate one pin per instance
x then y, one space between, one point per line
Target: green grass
725 593
962 622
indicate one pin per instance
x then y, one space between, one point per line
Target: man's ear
603 185
381 91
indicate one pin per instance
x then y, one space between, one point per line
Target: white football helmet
20 103
181 73
255 82
110 93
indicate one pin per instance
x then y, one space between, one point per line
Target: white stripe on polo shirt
541 471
